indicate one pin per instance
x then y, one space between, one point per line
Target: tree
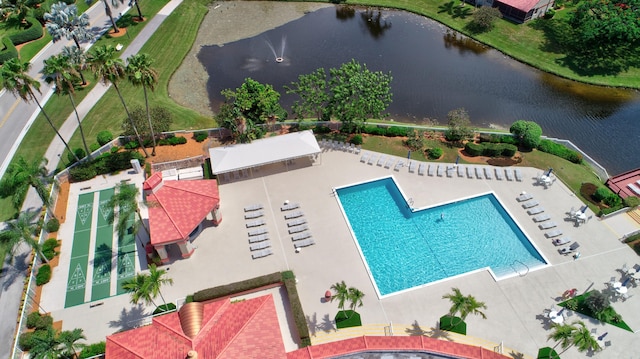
527 132
459 126
137 5
60 72
355 298
464 305
341 294
107 10
22 230
146 287
140 73
597 302
109 69
46 345
161 118
64 20
356 94
125 200
157 278
583 340
77 58
69 341
15 78
16 10
21 175
483 19
312 89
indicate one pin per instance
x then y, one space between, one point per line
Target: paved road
14 124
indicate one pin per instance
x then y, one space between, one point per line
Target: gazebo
177 209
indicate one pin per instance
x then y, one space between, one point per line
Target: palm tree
77 58
15 78
355 299
17 10
22 230
138 288
63 20
46 346
156 280
107 10
58 70
562 334
141 73
464 305
125 200
583 340
111 70
135 2
69 341
341 294
22 174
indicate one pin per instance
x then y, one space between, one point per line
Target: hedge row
8 50
44 275
169 141
560 151
490 149
92 350
493 138
33 32
49 248
393 131
37 321
103 164
289 280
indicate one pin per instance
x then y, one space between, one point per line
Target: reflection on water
434 71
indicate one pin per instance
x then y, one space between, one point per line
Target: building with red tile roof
625 184
176 209
523 10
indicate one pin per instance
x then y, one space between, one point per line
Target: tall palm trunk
138 8
84 140
75 39
146 103
52 125
133 125
107 10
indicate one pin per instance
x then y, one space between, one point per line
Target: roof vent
192 354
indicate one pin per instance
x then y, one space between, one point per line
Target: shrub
44 274
631 201
9 50
601 193
508 139
104 137
79 152
375 130
49 248
224 290
597 302
561 151
508 150
396 131
131 145
34 31
528 132
322 129
612 200
473 149
434 153
491 149
296 306
94 147
115 149
549 14
178 140
35 320
200 136
83 172
52 225
92 350
356 140
162 308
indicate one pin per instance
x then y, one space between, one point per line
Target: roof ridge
210 323
263 300
173 223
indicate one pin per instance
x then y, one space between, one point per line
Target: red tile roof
620 183
178 207
524 5
244 329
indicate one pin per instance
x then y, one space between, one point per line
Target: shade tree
458 126
64 21
312 89
527 132
22 174
140 73
22 230
463 306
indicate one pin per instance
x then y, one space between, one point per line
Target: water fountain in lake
257 60
279 58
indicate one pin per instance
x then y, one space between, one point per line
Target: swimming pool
405 248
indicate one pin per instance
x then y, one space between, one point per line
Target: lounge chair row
340 146
259 243
298 229
543 219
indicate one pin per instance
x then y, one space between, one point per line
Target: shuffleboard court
77 279
126 255
101 282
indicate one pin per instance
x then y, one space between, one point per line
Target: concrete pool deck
515 305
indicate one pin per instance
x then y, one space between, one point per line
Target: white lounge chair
256 223
440 170
260 245
469 172
412 166
259 238
524 197
478 173
293 215
254 214
530 204
560 241
372 160
498 172
487 173
352 148
253 207
365 157
554 233
541 217
449 171
509 174
298 229
301 236
389 163
547 225
357 150
460 171
568 250
535 210
398 165
304 243
261 253
296 222
421 169
258 231
518 174
381 160
290 206
431 170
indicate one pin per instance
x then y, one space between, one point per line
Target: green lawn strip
103 253
583 309
126 257
347 318
453 324
76 282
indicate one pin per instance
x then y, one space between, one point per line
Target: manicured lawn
583 309
453 324
347 318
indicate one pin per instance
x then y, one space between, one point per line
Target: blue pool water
405 249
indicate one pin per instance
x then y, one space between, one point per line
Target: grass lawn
453 324
347 318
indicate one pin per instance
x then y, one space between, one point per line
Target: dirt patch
61 203
179 152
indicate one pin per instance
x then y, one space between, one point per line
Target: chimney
192 354
153 183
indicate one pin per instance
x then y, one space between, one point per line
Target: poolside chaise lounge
352 148
568 250
259 238
301 236
296 222
289 206
372 160
509 174
254 214
460 171
449 171
260 245
440 170
304 243
524 197
398 165
469 172
487 173
293 215
431 170
261 253
535 210
530 204
389 163
554 233
298 229
547 225
421 169
357 150
634 188
478 172
518 174
498 172
412 166
541 217
253 207
560 241
365 157
381 160
256 223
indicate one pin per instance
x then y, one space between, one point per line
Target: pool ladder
517 271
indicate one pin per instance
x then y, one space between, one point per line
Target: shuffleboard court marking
77 278
103 253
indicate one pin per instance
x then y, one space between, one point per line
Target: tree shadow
447 7
14 270
462 12
434 332
515 355
129 319
415 330
102 260
327 324
312 323
374 22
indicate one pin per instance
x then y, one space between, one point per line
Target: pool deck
515 305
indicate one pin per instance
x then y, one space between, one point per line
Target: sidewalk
14 275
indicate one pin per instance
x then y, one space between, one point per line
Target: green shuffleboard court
77 280
101 283
126 255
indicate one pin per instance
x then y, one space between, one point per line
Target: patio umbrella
603 335
457 159
624 284
584 209
547 353
409 155
549 173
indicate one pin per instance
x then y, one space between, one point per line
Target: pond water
434 71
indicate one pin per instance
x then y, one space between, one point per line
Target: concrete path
14 125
